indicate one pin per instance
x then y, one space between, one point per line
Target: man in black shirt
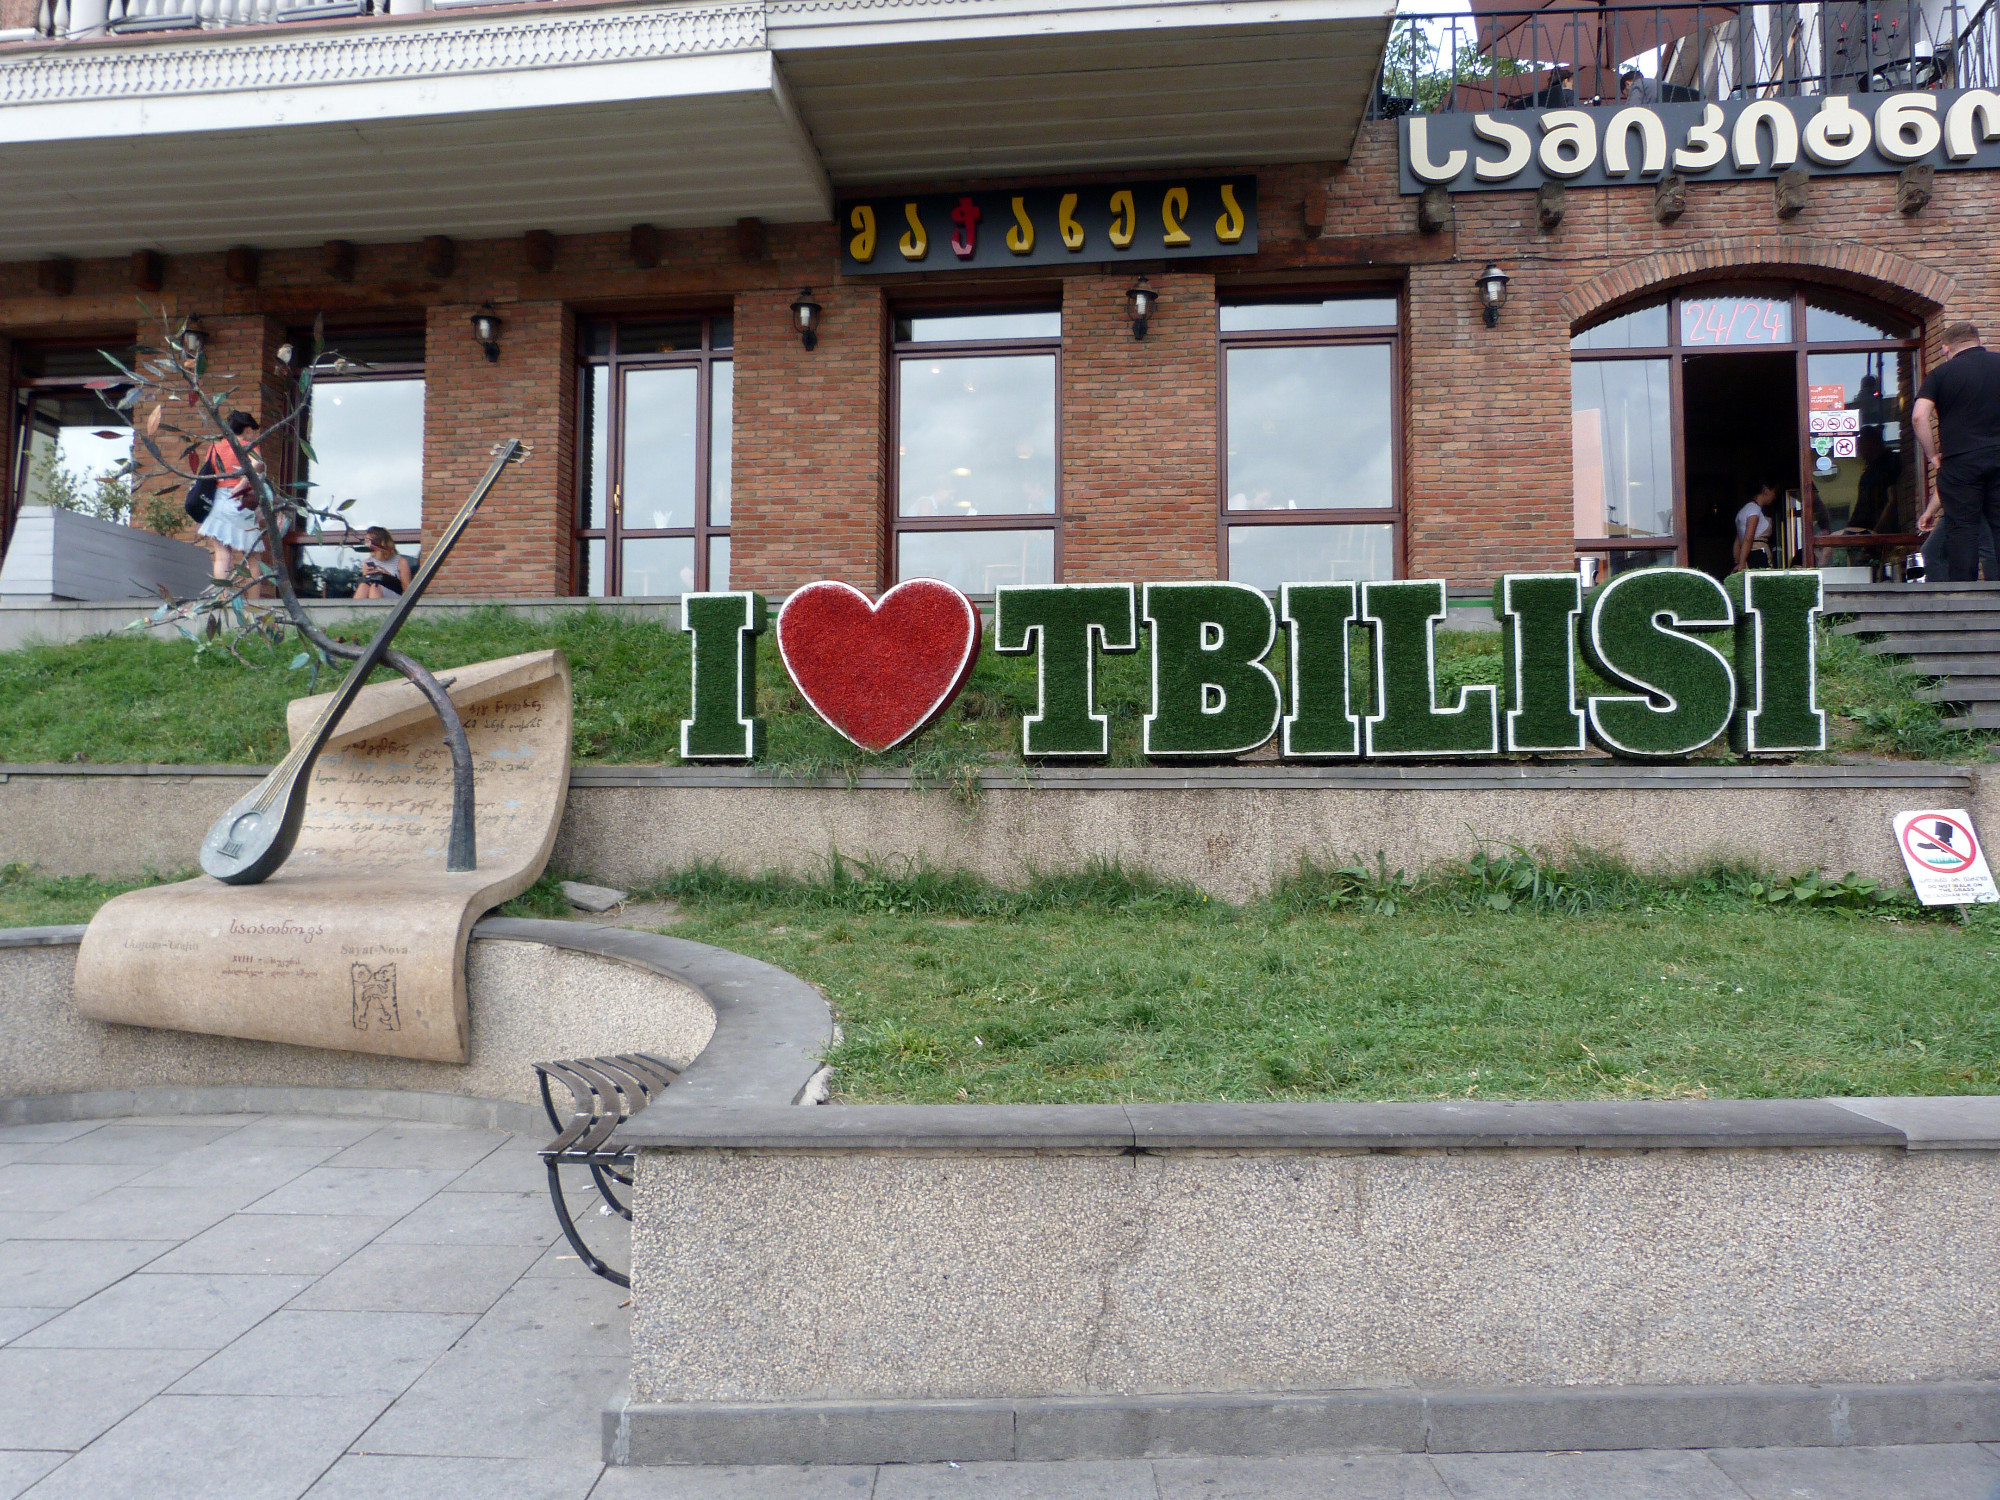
1957 418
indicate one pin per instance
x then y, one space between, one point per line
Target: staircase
1946 630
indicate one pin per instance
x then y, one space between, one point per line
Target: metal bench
604 1093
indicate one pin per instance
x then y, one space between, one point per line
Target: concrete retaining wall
1230 830
862 1285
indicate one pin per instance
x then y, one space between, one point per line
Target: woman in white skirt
230 528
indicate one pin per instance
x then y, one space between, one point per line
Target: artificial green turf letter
1065 625
1212 694
725 628
1537 614
1646 632
1403 618
1777 682
1320 726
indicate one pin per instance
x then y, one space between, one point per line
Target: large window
1681 407
977 447
68 442
364 442
653 491
1310 483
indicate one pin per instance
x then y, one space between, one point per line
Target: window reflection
74 447
1267 556
368 446
1309 427
1643 328
978 562
1621 443
1863 464
721 427
1330 312
654 565
659 457
977 436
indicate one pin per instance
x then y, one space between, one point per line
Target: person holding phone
386 572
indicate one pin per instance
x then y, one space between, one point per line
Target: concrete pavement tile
276 1244
514 1168
128 1144
254 1170
759 1482
21 1151
143 1213
410 1144
419 1278
1379 1476
607 1234
51 1399
469 1405
19 1469
337 1131
1124 1479
370 1476
1924 1471
1641 1474
148 1311
61 1273
350 1190
15 1321
202 1447
327 1354
50 1130
546 1317
44 1187
20 1223
455 1218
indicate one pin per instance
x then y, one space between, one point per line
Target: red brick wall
240 373
811 442
1139 486
520 543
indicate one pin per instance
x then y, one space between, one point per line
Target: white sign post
1946 864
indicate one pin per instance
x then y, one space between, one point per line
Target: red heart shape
879 672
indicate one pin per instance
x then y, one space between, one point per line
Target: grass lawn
127 698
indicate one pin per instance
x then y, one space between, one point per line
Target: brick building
648 198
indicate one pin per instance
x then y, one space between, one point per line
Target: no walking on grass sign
1946 864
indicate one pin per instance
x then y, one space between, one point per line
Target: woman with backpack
231 527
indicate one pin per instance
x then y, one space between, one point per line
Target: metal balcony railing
1557 57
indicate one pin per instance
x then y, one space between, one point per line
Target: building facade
649 200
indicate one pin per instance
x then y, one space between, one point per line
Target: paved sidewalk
267 1307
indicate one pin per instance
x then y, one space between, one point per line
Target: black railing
1666 54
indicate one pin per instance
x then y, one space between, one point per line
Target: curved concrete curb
770 1027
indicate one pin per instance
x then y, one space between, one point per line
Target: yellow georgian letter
862 246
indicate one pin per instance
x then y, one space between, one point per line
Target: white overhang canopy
579 118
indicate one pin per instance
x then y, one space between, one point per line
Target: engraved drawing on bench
375 998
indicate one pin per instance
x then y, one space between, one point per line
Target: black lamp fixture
1492 284
1142 299
805 317
194 338
486 331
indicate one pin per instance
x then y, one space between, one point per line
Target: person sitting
385 572
1635 87
1753 528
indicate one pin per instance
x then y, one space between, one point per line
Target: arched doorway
1681 403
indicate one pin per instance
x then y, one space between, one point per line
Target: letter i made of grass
1211 694
1537 614
1321 725
1648 631
1065 626
1777 677
725 628
1407 718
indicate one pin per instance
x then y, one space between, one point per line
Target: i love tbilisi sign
1687 660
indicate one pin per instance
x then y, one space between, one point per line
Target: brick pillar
521 543
239 373
1487 429
7 464
1139 486
811 443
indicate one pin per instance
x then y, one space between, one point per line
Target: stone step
1983 717
1918 625
1965 690
1936 643
1968 604
1906 590
1933 664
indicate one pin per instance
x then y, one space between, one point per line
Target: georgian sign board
1686 660
1604 145
1174 218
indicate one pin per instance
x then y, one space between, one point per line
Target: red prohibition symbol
1949 850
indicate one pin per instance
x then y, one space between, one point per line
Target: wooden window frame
1050 520
1395 513
613 533
402 536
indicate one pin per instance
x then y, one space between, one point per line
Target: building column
810 493
240 372
1140 495
521 543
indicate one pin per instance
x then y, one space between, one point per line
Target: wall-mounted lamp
805 317
486 332
194 339
1141 299
1492 284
